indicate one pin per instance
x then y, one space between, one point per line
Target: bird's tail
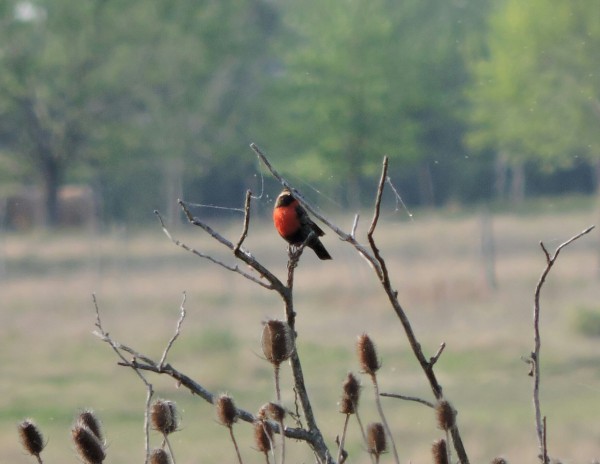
319 249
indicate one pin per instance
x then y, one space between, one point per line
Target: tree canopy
138 97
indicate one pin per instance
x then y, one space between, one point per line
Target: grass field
51 366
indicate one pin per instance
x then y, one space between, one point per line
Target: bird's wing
307 221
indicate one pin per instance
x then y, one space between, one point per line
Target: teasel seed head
263 435
445 414
31 437
164 417
226 410
376 439
499 461
159 456
272 411
88 418
351 395
277 341
89 447
367 355
439 451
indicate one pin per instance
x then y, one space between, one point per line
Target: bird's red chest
286 219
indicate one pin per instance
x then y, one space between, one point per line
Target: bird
293 224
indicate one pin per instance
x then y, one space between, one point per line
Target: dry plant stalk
227 415
534 359
370 364
257 273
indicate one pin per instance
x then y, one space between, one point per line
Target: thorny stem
362 432
170 448
235 445
383 419
319 445
343 438
540 424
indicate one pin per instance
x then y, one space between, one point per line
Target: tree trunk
500 175
517 185
52 174
426 192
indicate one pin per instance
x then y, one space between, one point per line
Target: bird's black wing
307 221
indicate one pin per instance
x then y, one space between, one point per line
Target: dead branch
317 441
409 398
180 244
534 360
177 331
378 264
104 336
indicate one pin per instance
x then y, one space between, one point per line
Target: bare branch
409 398
235 269
534 360
177 331
149 389
245 256
246 222
378 198
378 264
354 226
435 358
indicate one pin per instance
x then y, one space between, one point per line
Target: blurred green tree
359 79
139 87
536 95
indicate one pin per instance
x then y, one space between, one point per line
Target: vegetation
384 370
152 97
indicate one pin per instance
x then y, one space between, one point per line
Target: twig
534 360
245 256
354 226
177 332
384 419
246 222
104 336
435 357
409 398
180 244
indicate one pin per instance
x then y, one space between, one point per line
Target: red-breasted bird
293 224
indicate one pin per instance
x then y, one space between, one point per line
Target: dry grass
51 365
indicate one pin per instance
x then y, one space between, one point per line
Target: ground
52 365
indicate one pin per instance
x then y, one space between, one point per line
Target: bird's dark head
285 198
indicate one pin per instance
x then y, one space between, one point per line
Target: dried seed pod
89 447
159 456
367 355
445 415
263 435
31 437
376 439
439 451
273 411
499 461
226 410
88 418
164 417
277 341
351 395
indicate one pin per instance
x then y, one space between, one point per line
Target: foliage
586 321
535 96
